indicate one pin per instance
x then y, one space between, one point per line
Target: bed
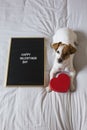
32 108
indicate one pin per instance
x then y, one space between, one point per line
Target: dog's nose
60 60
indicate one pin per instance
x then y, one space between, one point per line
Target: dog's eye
58 52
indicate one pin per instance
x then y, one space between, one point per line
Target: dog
64 45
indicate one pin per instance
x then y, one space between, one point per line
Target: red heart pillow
60 83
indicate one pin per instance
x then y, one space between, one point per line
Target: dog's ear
72 49
55 45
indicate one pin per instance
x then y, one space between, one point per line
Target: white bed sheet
33 108
77 20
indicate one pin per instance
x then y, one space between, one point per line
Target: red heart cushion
60 83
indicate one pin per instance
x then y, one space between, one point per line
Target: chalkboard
26 62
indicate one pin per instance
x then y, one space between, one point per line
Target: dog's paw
72 89
48 89
72 73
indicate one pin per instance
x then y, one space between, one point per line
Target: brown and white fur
64 45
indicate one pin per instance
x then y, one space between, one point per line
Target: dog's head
63 51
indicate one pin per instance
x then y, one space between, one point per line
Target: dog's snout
60 60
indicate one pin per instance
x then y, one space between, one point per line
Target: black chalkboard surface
26 62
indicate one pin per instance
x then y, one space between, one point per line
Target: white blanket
32 108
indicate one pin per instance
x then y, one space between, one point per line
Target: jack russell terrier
64 44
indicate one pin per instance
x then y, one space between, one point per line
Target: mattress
32 108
